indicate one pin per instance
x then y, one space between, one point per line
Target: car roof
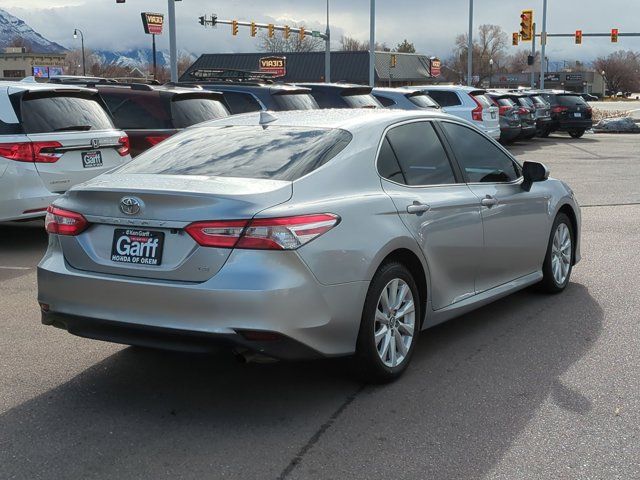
350 119
398 91
463 88
17 86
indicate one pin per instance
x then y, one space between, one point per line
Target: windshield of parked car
271 152
571 101
295 101
361 101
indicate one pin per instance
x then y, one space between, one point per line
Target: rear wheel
544 133
389 326
558 262
576 133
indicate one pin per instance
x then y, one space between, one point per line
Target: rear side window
571 101
444 98
386 102
241 102
539 101
483 100
58 113
526 102
295 101
423 101
133 111
506 102
482 161
189 111
272 152
420 155
388 166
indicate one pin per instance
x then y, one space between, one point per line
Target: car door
515 222
438 208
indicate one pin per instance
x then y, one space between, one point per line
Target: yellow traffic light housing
270 29
301 34
526 25
286 32
394 60
614 35
234 27
515 39
578 37
254 29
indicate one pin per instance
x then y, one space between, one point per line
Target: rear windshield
272 152
526 102
361 101
423 101
187 112
483 100
59 113
538 100
295 101
571 100
137 111
506 102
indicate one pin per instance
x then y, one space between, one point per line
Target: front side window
419 154
481 160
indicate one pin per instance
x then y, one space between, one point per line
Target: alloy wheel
561 254
394 323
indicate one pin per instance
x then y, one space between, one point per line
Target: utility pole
543 42
75 35
470 46
173 51
533 56
327 53
372 44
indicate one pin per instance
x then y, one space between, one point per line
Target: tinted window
241 102
445 99
187 112
388 166
278 153
386 102
506 102
551 98
483 100
479 157
137 111
295 101
328 99
571 101
420 153
44 114
423 101
539 101
361 101
526 102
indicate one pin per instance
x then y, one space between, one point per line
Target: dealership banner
275 65
152 22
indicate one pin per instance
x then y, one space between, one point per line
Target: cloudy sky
431 24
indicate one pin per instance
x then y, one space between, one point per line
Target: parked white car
469 103
52 137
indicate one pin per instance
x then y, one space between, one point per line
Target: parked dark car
589 98
510 123
569 112
542 114
526 112
342 95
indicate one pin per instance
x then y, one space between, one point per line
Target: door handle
418 207
489 201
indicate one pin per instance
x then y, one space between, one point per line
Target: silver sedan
305 234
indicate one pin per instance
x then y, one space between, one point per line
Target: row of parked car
62 133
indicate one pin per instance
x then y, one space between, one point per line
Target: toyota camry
305 234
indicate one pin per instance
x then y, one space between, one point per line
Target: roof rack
230 75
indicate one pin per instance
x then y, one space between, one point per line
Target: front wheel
558 262
576 133
389 326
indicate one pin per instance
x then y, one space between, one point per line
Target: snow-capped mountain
12 28
139 58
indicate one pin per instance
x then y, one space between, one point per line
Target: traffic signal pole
470 46
327 51
533 55
372 44
543 42
173 50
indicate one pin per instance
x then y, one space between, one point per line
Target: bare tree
350 44
489 43
278 43
622 71
519 62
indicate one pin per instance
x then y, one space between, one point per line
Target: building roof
309 66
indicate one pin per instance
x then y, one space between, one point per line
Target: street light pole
490 71
372 44
470 46
75 35
327 53
543 43
173 51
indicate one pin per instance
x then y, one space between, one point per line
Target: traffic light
270 30
394 60
254 29
301 34
515 39
202 20
614 35
286 32
234 27
120 1
526 25
578 37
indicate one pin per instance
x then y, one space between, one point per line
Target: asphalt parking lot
530 387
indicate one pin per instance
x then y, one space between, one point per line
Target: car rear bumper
528 131
493 132
22 194
310 319
508 134
566 125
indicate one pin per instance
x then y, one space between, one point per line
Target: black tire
545 133
367 362
549 283
576 133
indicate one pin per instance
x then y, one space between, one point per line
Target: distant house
17 63
352 67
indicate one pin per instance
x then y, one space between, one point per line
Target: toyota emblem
130 205
95 143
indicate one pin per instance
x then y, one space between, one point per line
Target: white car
52 137
469 103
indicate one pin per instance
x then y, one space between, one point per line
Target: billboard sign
40 72
436 67
152 23
274 65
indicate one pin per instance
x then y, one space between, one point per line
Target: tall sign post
152 24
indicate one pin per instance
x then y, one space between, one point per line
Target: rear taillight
504 109
39 152
476 113
559 109
523 111
285 233
155 139
64 222
125 146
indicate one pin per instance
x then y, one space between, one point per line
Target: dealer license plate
137 247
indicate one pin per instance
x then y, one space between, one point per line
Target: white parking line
14 268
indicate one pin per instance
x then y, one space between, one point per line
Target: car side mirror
533 172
